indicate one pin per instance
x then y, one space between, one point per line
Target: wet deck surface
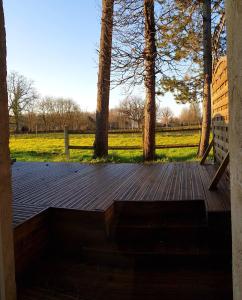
38 186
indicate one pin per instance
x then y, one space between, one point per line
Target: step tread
149 224
158 249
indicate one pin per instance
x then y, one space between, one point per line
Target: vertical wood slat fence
68 147
220 110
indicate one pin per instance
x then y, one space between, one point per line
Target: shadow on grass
35 155
176 158
114 157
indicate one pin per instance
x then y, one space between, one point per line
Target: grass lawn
50 147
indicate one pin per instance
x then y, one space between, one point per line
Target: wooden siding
220 110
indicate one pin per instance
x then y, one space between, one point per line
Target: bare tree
7 272
101 138
150 56
128 54
191 115
118 120
21 94
166 115
133 108
128 43
55 113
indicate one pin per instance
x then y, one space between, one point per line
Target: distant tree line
30 113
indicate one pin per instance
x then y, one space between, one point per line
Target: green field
50 147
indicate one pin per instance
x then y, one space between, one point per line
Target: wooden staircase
154 234
152 250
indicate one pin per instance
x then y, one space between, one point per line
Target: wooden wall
220 110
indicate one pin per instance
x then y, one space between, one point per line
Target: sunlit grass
50 147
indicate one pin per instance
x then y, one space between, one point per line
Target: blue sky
54 43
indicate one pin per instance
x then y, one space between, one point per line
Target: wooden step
145 234
157 209
156 255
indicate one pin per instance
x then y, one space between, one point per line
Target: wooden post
210 146
218 175
67 143
7 269
234 48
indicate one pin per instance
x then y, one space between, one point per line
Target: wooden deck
39 186
129 231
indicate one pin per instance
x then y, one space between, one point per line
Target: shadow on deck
128 231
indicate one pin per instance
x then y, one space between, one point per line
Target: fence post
66 138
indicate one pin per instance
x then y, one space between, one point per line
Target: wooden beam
219 173
171 146
67 143
7 269
234 50
206 153
136 147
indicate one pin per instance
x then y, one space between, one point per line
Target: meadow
50 147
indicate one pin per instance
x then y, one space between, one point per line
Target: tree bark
150 56
102 112
7 272
207 57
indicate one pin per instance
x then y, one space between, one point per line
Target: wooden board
220 110
39 186
63 206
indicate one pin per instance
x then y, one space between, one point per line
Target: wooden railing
137 131
68 147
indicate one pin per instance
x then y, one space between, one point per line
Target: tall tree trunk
102 112
207 57
7 273
150 56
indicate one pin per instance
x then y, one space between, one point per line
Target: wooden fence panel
220 110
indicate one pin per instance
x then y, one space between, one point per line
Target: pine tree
194 48
102 112
207 73
150 84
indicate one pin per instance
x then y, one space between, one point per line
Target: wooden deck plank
123 186
162 191
133 187
216 201
23 213
38 186
196 183
146 185
185 190
176 183
115 189
151 192
62 188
